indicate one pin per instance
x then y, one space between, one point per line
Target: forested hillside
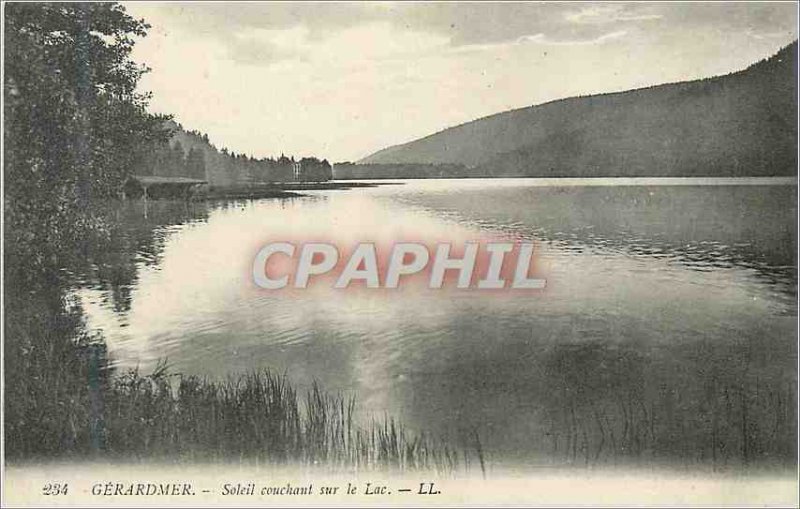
192 154
741 124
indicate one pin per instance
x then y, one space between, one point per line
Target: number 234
50 489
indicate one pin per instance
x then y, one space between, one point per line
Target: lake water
667 332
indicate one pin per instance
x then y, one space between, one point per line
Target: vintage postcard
385 254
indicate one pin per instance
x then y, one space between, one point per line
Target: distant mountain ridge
740 124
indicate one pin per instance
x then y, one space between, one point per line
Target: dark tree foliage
314 170
222 167
74 128
195 164
75 123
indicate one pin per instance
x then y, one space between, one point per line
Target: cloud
543 39
769 35
252 32
610 13
638 17
256 46
376 41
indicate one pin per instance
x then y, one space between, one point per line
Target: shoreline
609 181
283 190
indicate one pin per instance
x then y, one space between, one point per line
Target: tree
75 125
177 161
196 164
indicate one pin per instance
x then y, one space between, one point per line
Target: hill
740 124
191 154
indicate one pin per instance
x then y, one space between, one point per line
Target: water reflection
666 332
133 240
700 227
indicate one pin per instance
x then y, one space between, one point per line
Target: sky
343 80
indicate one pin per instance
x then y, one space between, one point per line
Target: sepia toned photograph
385 254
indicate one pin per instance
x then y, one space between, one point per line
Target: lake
666 334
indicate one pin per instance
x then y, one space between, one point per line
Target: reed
64 400
726 416
256 417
